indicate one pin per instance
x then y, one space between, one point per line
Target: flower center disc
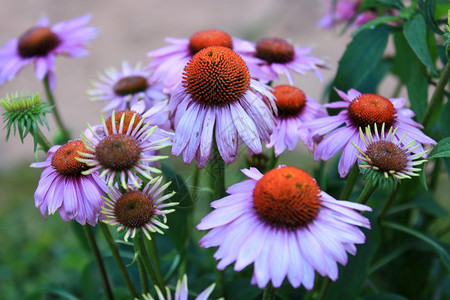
37 41
275 50
287 197
216 75
290 100
118 152
387 156
134 209
370 109
64 159
206 38
128 115
130 85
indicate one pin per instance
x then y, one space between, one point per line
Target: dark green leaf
442 149
412 73
428 204
445 120
372 81
415 32
384 297
360 58
352 277
443 254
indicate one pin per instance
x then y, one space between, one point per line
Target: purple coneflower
122 89
384 159
276 56
63 187
362 110
344 11
122 146
284 224
294 108
168 62
181 292
134 209
218 100
42 43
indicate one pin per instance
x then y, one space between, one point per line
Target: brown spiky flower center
130 85
275 50
387 156
134 209
369 109
287 197
37 41
65 159
118 152
216 76
290 100
207 38
128 116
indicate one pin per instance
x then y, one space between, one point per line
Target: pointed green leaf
442 149
443 253
415 32
360 58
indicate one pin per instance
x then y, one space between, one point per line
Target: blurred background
37 254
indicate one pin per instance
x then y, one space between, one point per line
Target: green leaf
412 73
442 149
376 22
443 254
444 120
384 297
415 32
441 10
353 276
177 221
360 58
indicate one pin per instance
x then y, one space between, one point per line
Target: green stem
324 289
350 183
269 292
387 204
216 169
367 192
436 98
118 259
42 140
154 258
189 222
98 258
272 161
51 101
143 276
139 245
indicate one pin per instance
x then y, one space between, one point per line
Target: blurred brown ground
129 29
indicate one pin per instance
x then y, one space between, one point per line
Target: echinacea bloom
344 11
362 110
285 225
123 148
63 187
218 100
168 62
294 108
384 159
121 89
275 56
134 209
181 292
42 43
